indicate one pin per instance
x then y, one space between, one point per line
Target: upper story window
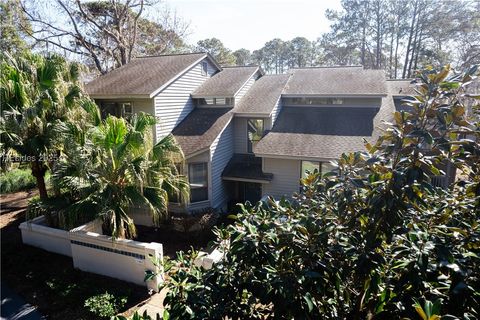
309 167
255 131
204 68
117 109
214 101
198 179
303 101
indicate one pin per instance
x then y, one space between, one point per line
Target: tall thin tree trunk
415 44
390 59
410 37
419 46
397 44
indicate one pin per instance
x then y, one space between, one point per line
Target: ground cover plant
376 240
16 180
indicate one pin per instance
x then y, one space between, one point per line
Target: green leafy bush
105 305
377 241
16 180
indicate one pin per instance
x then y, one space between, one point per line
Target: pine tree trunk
410 38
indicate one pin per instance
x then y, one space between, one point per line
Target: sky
250 23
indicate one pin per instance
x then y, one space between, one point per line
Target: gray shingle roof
200 128
263 95
225 83
336 81
400 87
326 133
142 76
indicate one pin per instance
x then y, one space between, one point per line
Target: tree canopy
106 33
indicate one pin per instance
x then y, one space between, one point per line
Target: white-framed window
198 179
255 130
204 68
309 167
214 101
127 109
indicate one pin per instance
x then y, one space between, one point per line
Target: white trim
245 180
121 96
199 152
252 115
289 157
154 93
245 83
366 106
334 95
209 97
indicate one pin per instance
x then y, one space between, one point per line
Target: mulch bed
48 280
173 240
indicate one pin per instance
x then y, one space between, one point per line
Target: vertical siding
174 103
286 177
240 134
246 87
221 152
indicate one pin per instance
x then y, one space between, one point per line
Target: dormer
227 87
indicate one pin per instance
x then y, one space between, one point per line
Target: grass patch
17 180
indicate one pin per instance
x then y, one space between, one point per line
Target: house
246 134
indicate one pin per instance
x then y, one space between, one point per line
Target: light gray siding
221 152
276 110
286 177
174 103
246 87
240 134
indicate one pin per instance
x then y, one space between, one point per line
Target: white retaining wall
37 234
91 251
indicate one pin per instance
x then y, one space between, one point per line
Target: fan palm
118 168
41 106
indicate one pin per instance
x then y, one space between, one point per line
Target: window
127 109
204 68
255 131
220 101
313 101
118 109
198 179
309 167
214 101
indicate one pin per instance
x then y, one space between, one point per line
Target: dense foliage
42 104
105 305
376 240
117 168
16 179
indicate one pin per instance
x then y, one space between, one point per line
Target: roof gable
226 83
200 128
263 95
144 76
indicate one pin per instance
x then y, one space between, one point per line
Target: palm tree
41 106
119 168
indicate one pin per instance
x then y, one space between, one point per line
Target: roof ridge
171 54
328 67
227 67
